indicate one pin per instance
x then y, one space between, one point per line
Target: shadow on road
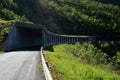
34 48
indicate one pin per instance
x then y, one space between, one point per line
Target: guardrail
46 70
49 38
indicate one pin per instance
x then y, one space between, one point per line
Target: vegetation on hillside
80 62
1 52
81 17
88 18
9 10
99 60
9 13
17 10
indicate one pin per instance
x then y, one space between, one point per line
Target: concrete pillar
68 40
60 39
44 40
80 40
74 39
51 41
77 39
63 40
54 39
87 39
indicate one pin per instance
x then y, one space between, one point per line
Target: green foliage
9 10
112 50
5 27
111 47
118 57
9 13
1 52
89 17
116 61
67 66
9 4
87 53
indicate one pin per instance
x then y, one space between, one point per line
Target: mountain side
10 11
98 18
88 17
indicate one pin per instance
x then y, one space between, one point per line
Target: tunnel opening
24 38
30 39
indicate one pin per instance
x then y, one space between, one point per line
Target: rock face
28 3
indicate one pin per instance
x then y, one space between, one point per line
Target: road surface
22 65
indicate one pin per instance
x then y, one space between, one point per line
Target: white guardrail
46 70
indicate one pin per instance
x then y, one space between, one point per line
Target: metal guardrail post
46 71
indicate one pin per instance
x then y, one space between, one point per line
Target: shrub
7 14
116 61
66 66
88 53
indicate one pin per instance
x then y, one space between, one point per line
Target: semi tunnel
24 37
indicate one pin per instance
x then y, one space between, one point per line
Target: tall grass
1 52
65 66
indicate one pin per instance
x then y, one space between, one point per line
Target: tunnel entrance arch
24 36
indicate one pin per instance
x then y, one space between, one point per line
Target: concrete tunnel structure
24 36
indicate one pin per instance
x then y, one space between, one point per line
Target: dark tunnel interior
32 39
24 39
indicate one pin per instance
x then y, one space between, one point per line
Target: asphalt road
21 65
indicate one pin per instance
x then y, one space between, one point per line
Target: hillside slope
9 13
79 62
65 17
88 17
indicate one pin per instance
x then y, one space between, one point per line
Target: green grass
65 66
6 21
1 52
